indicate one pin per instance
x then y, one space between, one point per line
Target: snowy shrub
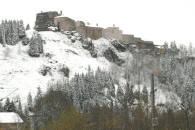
25 41
36 46
111 56
65 71
73 39
88 45
45 70
52 61
118 46
33 53
79 38
48 55
94 53
27 27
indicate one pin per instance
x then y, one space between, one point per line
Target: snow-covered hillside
20 73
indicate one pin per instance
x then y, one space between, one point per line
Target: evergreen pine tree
145 99
9 106
12 107
19 107
9 33
1 107
27 27
39 94
145 94
15 37
30 101
26 112
21 32
3 34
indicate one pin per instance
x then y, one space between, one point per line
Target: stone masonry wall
82 31
128 38
43 20
81 28
112 33
94 32
68 24
65 23
46 19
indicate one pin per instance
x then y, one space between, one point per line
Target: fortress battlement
53 18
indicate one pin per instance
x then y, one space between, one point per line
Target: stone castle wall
65 23
43 20
128 38
112 33
82 30
94 32
68 24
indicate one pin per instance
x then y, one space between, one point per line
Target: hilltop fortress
46 19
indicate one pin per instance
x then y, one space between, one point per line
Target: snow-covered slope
20 73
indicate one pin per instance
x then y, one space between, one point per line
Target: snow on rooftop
10 117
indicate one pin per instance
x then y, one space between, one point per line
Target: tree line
11 31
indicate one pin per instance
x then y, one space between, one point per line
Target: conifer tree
1 107
19 107
15 36
145 98
3 33
39 92
11 31
30 101
27 27
9 106
21 32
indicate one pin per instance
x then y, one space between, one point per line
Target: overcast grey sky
156 20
